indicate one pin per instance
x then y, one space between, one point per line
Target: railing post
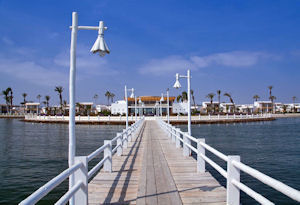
125 137
186 149
200 160
119 144
107 153
177 138
129 134
81 196
233 173
173 134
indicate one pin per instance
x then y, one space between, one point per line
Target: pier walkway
152 170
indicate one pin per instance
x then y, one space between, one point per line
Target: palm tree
95 98
107 94
179 98
272 98
270 91
6 98
231 100
47 98
219 96
184 96
39 97
294 99
193 98
211 97
112 95
59 90
24 95
10 98
256 97
219 99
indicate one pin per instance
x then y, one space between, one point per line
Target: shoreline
176 120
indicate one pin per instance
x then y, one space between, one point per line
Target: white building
263 106
118 107
227 107
100 108
180 108
32 107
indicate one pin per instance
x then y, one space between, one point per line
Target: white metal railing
234 166
80 169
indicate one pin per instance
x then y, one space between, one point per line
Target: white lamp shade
177 83
100 45
140 101
162 98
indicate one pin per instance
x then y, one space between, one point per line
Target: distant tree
294 99
231 100
193 98
273 98
59 90
39 97
47 98
211 97
24 95
184 96
270 91
95 98
256 97
179 98
219 99
11 97
112 95
107 94
6 97
219 96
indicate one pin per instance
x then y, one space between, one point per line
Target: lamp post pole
126 100
72 139
168 101
189 101
99 46
135 113
177 85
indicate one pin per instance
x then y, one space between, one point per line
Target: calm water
32 154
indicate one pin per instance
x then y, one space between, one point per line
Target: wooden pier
153 171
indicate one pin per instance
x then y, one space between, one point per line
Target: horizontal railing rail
234 166
80 169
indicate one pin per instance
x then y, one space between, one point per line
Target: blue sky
240 47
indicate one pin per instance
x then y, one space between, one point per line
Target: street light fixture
178 85
126 99
99 46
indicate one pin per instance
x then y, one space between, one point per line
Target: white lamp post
178 85
126 99
135 112
160 103
140 104
99 46
168 106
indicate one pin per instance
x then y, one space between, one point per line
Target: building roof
151 98
32 103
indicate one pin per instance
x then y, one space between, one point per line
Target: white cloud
228 59
33 72
7 41
56 70
86 62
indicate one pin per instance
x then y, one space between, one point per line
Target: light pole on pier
178 85
168 106
99 46
126 99
135 112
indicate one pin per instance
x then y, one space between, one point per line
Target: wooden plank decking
153 171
